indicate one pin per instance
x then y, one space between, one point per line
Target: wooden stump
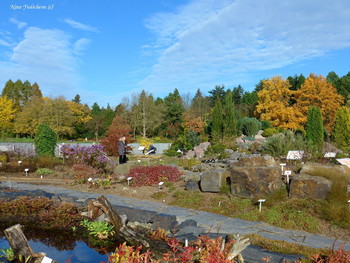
20 246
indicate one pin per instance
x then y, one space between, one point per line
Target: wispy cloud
47 57
208 41
80 26
81 44
19 24
4 43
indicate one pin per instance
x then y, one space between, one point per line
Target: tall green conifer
314 128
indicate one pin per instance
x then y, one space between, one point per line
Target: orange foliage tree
273 104
316 91
117 129
193 124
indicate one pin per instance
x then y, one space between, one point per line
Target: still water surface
80 252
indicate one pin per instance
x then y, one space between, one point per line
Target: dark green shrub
45 140
192 139
214 149
265 125
250 126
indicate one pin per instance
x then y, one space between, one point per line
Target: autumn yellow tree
29 118
7 114
273 104
80 112
60 114
316 91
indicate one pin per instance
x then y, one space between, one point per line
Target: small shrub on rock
269 132
152 175
250 126
188 163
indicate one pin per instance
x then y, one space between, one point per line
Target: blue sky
110 49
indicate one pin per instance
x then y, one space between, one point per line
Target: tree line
220 116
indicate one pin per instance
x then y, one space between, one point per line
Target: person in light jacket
122 150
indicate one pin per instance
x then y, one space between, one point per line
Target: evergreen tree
314 128
217 124
296 81
21 93
45 140
217 93
200 106
36 92
230 120
173 113
237 94
342 127
77 99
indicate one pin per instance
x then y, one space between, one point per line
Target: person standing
122 150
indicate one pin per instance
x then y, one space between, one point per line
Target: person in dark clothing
122 150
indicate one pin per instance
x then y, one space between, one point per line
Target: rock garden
306 193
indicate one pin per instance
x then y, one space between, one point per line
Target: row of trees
220 116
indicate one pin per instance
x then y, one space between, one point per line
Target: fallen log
21 248
123 231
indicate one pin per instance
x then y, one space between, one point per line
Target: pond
62 246
79 253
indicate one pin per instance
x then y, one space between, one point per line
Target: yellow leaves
273 104
316 91
275 97
80 112
7 112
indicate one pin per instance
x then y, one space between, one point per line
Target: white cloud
4 43
80 26
81 44
19 24
208 41
47 57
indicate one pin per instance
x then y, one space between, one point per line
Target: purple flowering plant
94 155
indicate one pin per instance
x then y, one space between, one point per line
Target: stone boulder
189 155
250 182
189 175
200 149
212 181
308 186
257 160
318 169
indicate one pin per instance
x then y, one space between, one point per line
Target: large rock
254 181
200 149
318 169
257 160
308 186
211 181
189 175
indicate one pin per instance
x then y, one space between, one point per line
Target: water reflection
80 253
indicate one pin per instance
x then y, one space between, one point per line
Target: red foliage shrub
152 175
117 129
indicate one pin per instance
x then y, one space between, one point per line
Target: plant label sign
288 172
295 155
330 155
